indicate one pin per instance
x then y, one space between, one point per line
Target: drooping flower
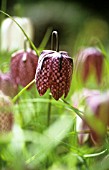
23 66
54 71
97 116
7 85
79 99
95 106
6 113
89 61
11 36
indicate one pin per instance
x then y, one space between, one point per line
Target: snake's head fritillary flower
6 113
97 116
7 85
89 61
79 99
23 66
95 106
54 71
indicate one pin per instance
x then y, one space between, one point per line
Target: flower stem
20 93
78 112
54 33
3 8
45 39
49 111
56 39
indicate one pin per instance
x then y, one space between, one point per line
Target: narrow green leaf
45 39
94 154
51 138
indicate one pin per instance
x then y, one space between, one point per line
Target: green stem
3 8
33 46
45 39
54 33
56 48
78 112
20 93
95 154
49 111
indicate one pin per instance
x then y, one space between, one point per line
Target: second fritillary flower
6 114
23 66
7 85
90 62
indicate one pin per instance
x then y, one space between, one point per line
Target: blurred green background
78 22
32 144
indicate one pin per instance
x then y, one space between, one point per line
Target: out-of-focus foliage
32 144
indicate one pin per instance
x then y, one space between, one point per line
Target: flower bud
7 85
6 113
23 66
95 106
89 61
97 116
54 71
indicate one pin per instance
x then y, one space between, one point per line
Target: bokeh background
33 145
78 22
